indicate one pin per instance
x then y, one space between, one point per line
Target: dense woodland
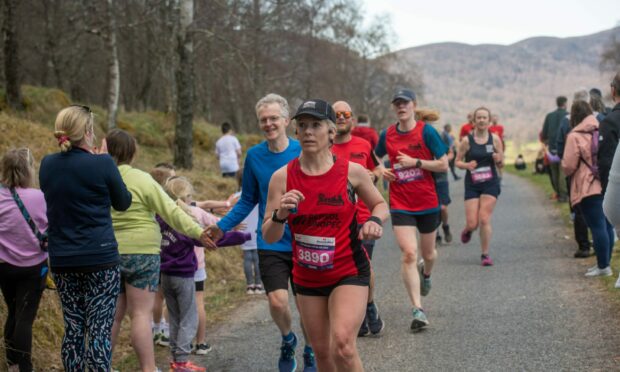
197 57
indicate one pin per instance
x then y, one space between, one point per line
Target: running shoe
287 362
162 340
375 323
446 233
249 290
582 253
618 282
425 283
185 367
599 272
364 331
485 260
465 236
202 349
258 289
419 320
309 361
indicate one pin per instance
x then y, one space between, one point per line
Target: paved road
532 311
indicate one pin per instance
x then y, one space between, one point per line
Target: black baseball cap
316 108
404 94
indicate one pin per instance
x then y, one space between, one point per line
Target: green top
136 230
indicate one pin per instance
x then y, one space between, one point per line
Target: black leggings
22 288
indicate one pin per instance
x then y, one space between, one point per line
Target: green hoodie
136 230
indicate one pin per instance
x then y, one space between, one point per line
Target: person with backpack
579 162
23 259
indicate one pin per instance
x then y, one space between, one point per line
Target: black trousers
579 224
22 288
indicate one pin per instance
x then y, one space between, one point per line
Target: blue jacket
260 164
79 188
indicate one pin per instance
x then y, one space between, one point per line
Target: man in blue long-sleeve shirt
275 260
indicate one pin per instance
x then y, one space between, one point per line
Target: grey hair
581 95
274 98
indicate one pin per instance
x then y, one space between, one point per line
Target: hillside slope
518 81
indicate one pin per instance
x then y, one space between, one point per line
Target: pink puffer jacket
577 153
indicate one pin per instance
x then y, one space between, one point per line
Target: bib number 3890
315 252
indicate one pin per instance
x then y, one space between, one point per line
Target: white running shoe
592 268
600 272
618 282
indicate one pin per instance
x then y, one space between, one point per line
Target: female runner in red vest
315 195
416 151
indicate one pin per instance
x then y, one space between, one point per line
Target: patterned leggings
88 307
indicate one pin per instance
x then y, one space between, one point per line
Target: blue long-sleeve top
260 164
79 189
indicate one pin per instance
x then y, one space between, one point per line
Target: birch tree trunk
183 140
12 70
114 76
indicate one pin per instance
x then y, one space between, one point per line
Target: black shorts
200 286
491 188
443 193
359 280
276 269
426 223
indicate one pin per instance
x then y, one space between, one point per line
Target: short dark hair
447 126
362 118
226 127
615 83
560 101
121 146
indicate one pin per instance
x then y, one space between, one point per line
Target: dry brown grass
154 131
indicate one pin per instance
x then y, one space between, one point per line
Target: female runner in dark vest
480 153
315 195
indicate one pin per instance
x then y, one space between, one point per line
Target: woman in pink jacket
585 185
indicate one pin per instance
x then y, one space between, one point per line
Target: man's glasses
269 119
344 114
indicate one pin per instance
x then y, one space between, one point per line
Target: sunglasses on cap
344 114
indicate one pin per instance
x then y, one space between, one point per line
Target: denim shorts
140 271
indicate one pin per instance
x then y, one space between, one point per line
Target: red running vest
325 244
357 150
414 188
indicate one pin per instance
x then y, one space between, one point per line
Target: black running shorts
276 269
426 223
360 280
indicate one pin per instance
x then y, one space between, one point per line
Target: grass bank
154 131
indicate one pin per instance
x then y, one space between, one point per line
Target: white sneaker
600 272
618 282
592 268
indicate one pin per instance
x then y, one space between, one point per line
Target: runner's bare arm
498 155
371 196
460 156
436 165
282 200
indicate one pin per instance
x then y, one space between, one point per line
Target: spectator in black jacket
548 136
609 131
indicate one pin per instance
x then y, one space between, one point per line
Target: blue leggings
88 307
602 231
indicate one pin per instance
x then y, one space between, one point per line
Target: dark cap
404 94
316 108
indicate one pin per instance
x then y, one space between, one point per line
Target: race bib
407 174
481 174
489 149
315 252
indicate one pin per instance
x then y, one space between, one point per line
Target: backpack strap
22 208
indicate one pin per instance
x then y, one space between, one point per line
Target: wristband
376 220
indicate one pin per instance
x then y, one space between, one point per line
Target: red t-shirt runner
465 130
358 151
367 133
325 244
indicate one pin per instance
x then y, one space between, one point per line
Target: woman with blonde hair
23 260
80 187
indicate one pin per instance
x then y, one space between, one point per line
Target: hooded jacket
577 156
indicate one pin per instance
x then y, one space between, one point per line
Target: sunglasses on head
344 114
85 108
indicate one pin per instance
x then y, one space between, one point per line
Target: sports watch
418 164
274 217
